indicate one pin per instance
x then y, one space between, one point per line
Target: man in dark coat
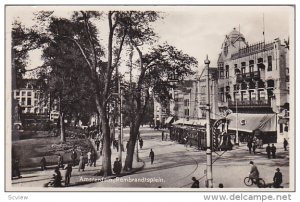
97 142
74 157
277 179
273 151
162 135
141 143
93 158
268 150
285 144
57 178
68 174
254 173
195 183
43 163
117 166
249 145
151 155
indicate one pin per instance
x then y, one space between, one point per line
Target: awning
251 122
169 119
191 122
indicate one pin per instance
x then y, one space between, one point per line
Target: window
29 93
236 70
221 70
251 66
243 64
28 101
186 102
17 93
23 101
269 63
227 71
23 93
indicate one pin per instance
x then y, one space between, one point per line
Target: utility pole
120 116
209 178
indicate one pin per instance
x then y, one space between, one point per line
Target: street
174 166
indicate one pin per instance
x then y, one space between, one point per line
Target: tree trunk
106 151
62 127
134 131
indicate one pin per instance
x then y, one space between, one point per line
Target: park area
30 151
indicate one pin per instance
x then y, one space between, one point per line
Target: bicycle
250 181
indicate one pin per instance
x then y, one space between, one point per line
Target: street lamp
209 177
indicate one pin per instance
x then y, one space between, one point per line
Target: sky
196 30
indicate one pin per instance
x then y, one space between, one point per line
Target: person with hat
277 179
195 183
117 167
254 173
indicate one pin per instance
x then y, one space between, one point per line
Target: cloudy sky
197 30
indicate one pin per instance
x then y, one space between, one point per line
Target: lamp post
209 178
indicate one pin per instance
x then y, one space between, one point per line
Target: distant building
30 98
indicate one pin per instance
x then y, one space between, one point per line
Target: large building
251 82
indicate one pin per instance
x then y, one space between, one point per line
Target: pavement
173 167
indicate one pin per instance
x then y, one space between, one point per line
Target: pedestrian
285 144
195 183
249 145
186 140
141 143
68 174
43 163
81 163
277 179
97 142
89 154
151 155
93 158
254 146
162 135
57 178
117 166
16 168
60 161
273 151
166 137
74 157
268 150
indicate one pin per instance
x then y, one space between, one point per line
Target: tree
154 67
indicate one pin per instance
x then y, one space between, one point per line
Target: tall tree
154 66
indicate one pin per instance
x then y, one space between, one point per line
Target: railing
249 103
248 76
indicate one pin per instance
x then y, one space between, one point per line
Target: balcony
249 103
248 76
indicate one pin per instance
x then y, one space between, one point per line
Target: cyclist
254 173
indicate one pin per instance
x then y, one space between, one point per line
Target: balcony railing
249 103
248 76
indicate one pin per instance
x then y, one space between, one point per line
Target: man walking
162 135
249 145
141 143
277 179
268 150
151 155
273 151
285 144
97 142
68 174
60 161
89 155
